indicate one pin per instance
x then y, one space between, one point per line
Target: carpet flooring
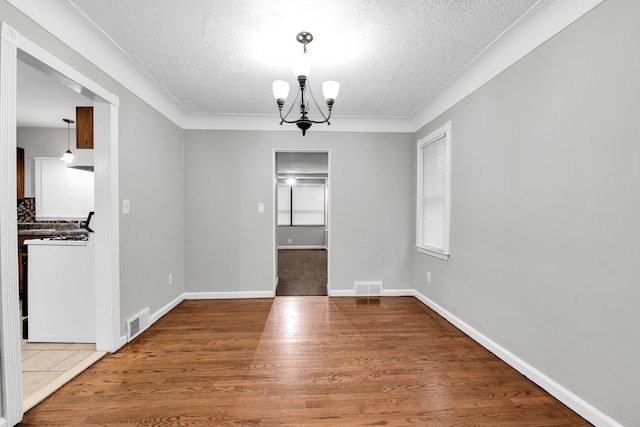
302 272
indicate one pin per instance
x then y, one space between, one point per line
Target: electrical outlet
428 277
170 279
289 240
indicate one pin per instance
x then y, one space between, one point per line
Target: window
433 198
301 204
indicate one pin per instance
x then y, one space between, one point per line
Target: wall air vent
368 289
137 324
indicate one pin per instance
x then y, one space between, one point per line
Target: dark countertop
38 229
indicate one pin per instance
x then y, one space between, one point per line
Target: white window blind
308 204
434 193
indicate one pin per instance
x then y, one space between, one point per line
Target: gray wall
151 176
152 235
229 245
545 239
302 236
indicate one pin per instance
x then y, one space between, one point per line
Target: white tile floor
48 366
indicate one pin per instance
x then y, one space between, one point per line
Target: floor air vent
368 289
137 324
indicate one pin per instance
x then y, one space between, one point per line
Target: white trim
3 422
385 293
157 315
570 399
543 22
398 293
274 221
50 388
10 359
432 253
107 284
443 132
78 83
327 226
303 247
69 25
166 309
107 227
229 295
269 122
122 341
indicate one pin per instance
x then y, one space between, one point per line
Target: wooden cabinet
20 172
84 127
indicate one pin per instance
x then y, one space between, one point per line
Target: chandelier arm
326 119
284 119
291 121
323 121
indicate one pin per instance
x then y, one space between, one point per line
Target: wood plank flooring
302 361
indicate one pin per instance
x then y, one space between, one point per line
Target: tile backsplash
27 209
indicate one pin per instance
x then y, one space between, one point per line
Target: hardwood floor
302 361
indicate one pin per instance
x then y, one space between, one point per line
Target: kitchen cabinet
62 192
20 172
61 291
84 127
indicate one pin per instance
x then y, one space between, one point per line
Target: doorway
62 351
106 225
302 222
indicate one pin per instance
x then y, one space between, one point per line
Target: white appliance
61 291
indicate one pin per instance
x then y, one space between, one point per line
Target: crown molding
69 25
544 20
272 123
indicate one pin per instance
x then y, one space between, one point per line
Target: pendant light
68 156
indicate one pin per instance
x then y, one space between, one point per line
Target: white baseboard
303 247
123 341
573 401
153 318
385 293
167 308
398 293
3 422
228 295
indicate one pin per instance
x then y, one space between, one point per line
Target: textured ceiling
220 57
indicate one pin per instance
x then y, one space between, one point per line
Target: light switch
125 206
261 207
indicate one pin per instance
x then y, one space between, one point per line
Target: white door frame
275 210
14 46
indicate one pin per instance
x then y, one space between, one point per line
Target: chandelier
301 69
